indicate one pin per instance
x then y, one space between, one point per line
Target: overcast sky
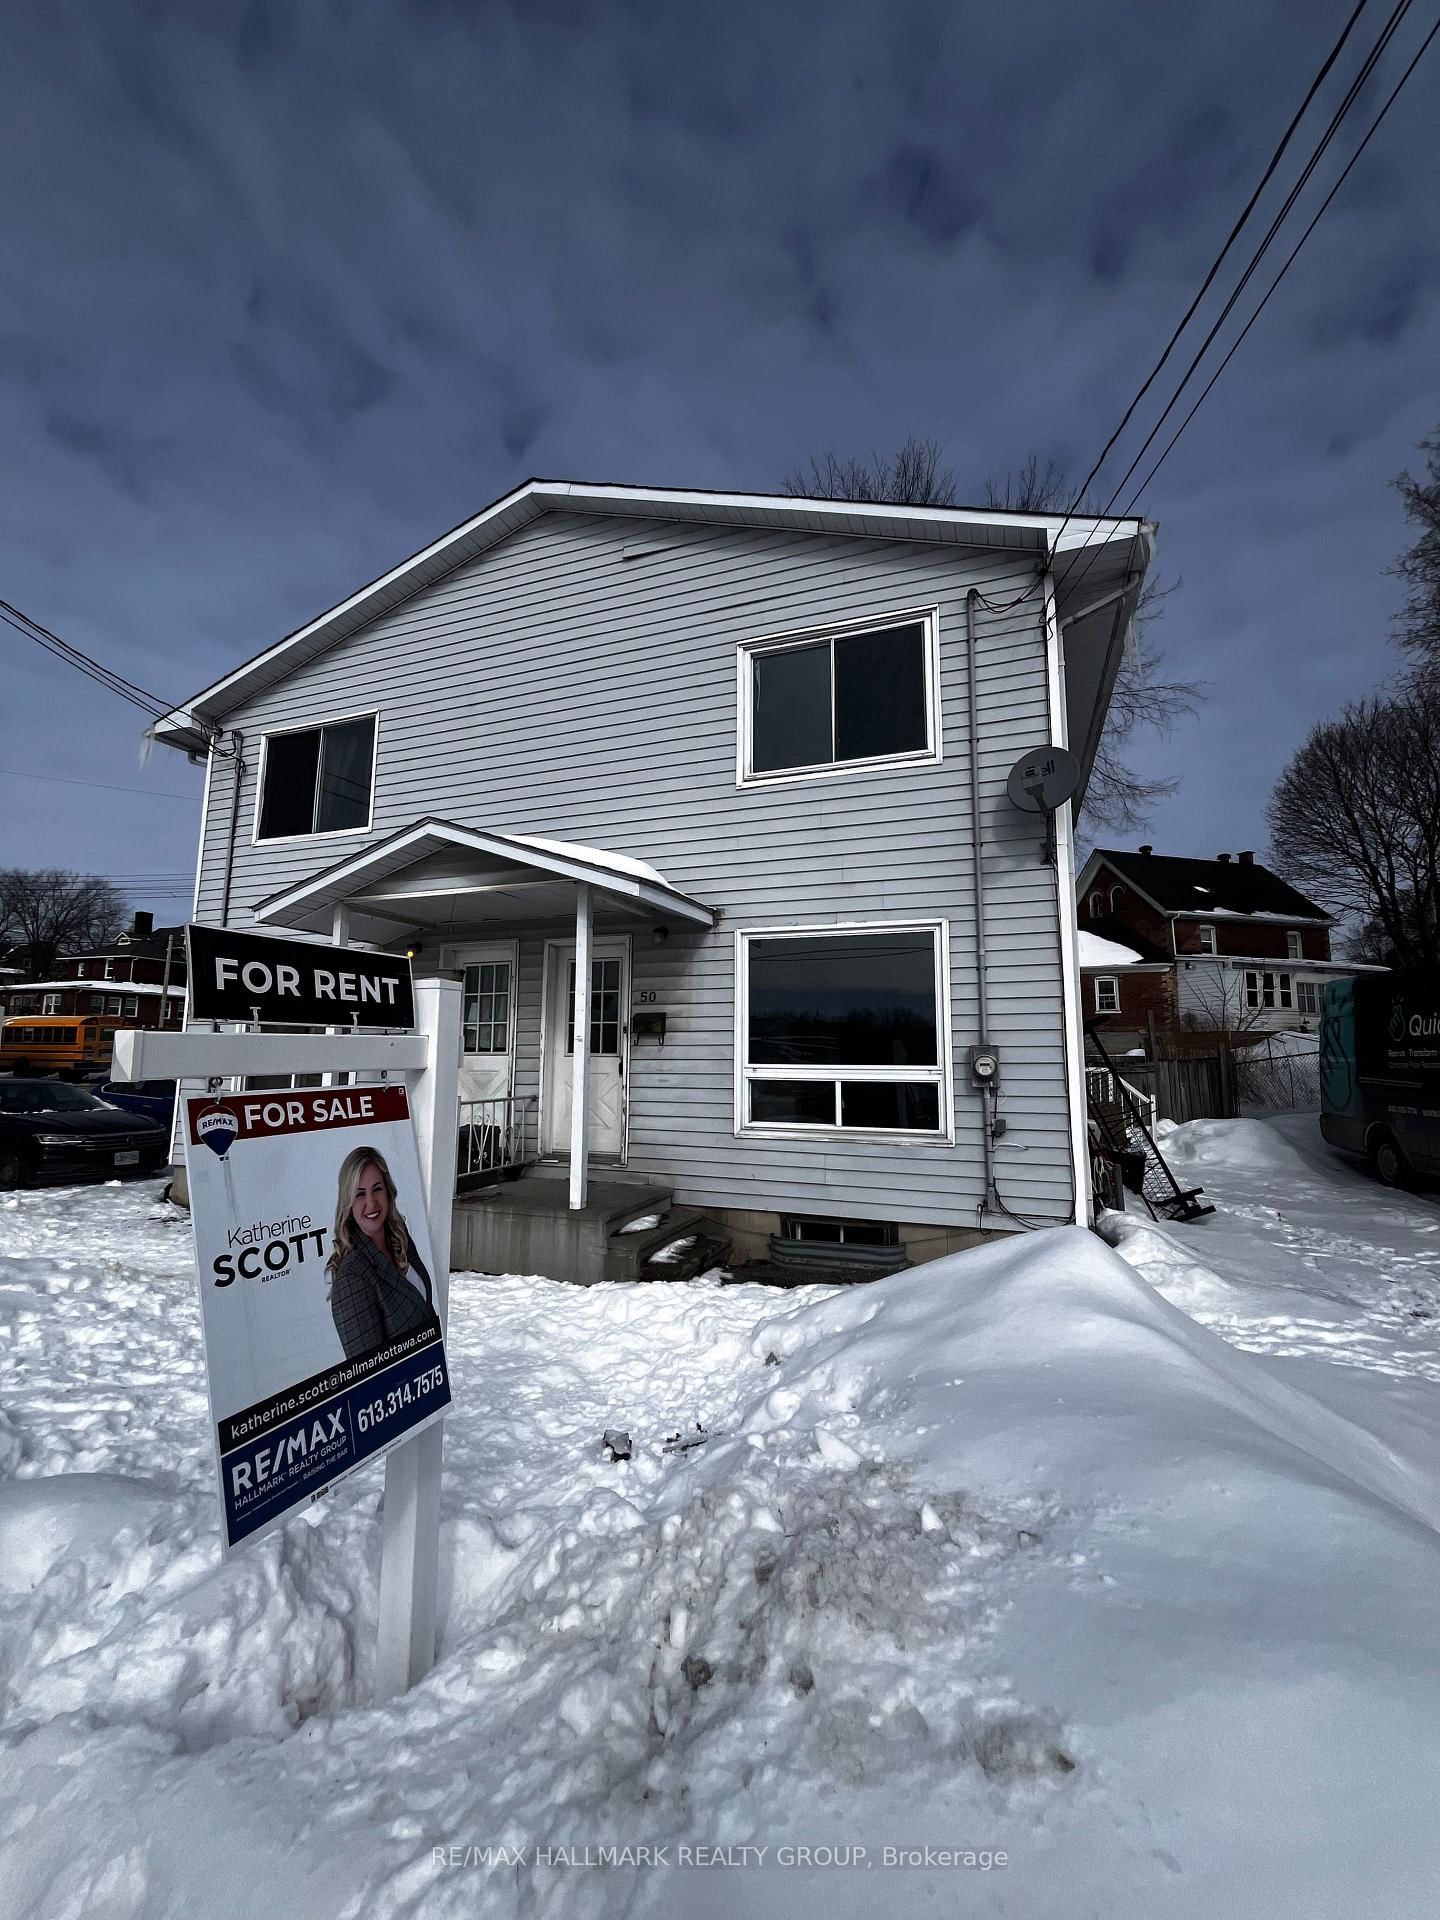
289 289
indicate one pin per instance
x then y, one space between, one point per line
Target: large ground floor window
843 1029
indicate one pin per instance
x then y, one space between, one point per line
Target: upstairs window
1097 905
1292 946
317 780
831 702
1207 939
1107 993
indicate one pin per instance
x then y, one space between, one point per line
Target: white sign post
429 1058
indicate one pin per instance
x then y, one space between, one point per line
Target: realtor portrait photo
379 1289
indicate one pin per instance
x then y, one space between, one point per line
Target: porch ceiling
436 874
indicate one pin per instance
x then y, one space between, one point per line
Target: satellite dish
1043 779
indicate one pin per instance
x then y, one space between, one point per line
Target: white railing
1105 1088
492 1140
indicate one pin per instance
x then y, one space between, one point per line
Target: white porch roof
437 874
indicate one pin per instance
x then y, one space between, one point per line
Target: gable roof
1177 885
192 725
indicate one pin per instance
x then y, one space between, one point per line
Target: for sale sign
317 1290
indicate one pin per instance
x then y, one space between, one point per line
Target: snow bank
1250 1144
1005 1551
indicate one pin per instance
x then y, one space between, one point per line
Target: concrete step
630 1256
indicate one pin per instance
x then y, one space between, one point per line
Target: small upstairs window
836 701
1207 939
317 780
1293 949
1107 993
1097 905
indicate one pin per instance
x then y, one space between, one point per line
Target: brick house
137 980
1220 945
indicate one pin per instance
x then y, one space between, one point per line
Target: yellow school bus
69 1045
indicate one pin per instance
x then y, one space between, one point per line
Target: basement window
842 1030
317 780
841 1233
829 702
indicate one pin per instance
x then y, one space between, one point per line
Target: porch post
580 1058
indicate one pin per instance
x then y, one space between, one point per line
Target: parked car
154 1098
51 1131
1380 1072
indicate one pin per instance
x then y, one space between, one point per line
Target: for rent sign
296 983
322 1337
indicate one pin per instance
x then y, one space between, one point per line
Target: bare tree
1419 622
912 477
45 912
1355 819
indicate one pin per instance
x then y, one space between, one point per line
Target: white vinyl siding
552 687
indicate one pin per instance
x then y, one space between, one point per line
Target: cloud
291 289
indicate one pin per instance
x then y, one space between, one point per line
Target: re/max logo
247 1475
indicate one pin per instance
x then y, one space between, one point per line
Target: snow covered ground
1120 1563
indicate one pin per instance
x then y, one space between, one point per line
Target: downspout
982 985
237 744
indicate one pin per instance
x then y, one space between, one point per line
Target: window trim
1294 944
313 726
942 1074
928 618
1207 938
1111 980
1095 905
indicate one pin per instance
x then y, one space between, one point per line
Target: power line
1352 92
104 676
1219 260
1289 260
1401 8
102 786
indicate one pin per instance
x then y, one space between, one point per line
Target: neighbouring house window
1308 997
317 780
838 700
843 1030
1207 939
51 1003
1293 949
132 1006
23 1003
1107 993
109 970
1117 899
114 1003
95 1002
1265 991
1097 905
486 1007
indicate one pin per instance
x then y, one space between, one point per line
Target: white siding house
741 726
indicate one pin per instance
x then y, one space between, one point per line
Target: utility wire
1347 102
102 786
138 696
116 683
1073 509
1217 263
1289 261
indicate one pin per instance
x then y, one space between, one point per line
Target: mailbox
648 1025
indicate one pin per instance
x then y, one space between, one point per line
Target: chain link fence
1280 1074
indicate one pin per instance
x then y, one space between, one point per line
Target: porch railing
1102 1087
495 1141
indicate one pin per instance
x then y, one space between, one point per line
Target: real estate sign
254 977
322 1340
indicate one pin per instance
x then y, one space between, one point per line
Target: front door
487 1020
609 999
